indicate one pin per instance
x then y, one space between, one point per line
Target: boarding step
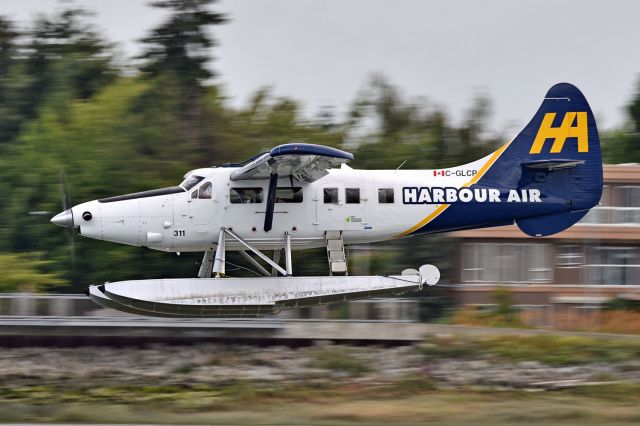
335 253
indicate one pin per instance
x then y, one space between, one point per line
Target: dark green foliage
545 348
180 45
620 304
414 130
59 59
175 62
9 109
8 36
623 145
504 303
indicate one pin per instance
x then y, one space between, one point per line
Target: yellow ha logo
574 125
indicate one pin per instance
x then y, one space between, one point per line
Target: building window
289 195
570 256
352 195
612 265
506 263
620 216
385 195
605 198
331 195
629 196
245 195
619 205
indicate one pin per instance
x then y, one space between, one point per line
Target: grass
594 405
411 399
621 320
545 348
340 360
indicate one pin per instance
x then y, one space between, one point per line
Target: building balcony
616 216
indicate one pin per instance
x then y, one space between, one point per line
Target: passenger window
289 195
331 196
204 193
385 195
352 195
245 195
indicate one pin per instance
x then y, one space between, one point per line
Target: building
571 272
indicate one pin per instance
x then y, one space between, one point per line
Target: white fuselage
366 205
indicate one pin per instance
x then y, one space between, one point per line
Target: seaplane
299 196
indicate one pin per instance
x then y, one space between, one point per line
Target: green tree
95 141
8 36
59 59
175 62
180 45
392 128
623 145
65 60
10 100
266 122
26 273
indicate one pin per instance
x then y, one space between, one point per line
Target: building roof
622 173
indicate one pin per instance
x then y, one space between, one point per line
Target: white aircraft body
299 196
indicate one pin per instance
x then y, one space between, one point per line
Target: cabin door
203 203
330 214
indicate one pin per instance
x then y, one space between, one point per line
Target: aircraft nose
64 219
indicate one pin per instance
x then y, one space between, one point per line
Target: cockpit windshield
191 181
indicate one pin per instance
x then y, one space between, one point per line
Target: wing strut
255 264
271 202
229 232
206 265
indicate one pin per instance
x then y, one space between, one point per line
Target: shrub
339 360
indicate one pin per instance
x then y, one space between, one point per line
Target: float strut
276 261
219 262
257 252
255 264
205 266
287 253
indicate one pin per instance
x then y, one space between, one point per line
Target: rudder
558 152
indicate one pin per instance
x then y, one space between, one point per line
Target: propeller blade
66 203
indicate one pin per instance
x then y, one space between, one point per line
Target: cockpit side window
204 193
191 181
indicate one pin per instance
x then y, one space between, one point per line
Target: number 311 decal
179 233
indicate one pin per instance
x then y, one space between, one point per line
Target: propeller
64 219
66 204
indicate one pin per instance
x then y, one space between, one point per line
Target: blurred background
105 98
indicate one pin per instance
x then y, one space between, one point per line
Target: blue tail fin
556 156
558 153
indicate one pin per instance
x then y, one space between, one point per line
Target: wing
305 162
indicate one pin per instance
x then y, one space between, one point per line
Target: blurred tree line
69 103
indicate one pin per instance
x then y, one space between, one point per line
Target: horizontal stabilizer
554 164
542 226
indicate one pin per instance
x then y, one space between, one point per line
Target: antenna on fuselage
401 164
